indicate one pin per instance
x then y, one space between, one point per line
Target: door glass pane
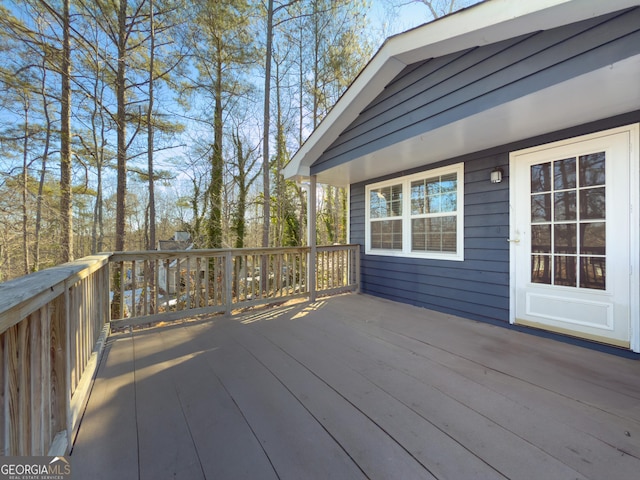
541 207
541 238
541 269
568 222
564 174
565 237
564 206
592 204
592 273
592 238
591 169
564 271
541 178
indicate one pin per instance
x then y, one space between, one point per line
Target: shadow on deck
356 387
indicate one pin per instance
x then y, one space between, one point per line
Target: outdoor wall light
496 175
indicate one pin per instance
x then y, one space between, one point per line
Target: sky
392 21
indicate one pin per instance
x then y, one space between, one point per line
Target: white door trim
634 227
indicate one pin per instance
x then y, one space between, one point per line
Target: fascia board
371 81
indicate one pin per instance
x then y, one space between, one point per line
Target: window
386 217
417 216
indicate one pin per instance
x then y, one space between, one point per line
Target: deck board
505 451
358 434
357 387
522 417
107 440
166 447
294 441
227 448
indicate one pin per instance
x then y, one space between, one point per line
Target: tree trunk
66 207
121 120
43 171
265 138
215 188
152 199
25 180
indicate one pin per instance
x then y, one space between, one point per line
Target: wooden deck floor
356 387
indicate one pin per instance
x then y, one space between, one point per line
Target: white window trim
458 169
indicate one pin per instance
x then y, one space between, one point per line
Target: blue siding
439 91
478 287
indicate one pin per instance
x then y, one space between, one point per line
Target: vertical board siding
439 91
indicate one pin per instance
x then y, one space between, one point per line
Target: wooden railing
165 285
54 323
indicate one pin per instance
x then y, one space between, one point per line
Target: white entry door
571 230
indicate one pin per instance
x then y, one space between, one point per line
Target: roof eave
485 23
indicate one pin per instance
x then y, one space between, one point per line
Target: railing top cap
21 294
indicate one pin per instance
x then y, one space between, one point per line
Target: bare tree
66 205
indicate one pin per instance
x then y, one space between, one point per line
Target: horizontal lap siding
439 91
478 287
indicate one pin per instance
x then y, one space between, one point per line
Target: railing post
69 363
311 270
356 253
228 281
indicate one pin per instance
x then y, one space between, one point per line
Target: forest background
125 121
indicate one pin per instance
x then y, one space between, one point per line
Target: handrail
166 285
22 296
52 327
54 323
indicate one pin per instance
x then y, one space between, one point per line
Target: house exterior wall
440 91
478 287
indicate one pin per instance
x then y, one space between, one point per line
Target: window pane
449 202
565 206
565 238
541 238
592 204
385 202
449 183
564 271
434 234
418 235
593 273
541 269
591 169
449 242
433 204
541 178
386 234
417 197
592 238
541 208
441 194
564 173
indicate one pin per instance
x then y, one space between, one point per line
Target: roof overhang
611 91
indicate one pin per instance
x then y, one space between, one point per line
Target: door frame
634 227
